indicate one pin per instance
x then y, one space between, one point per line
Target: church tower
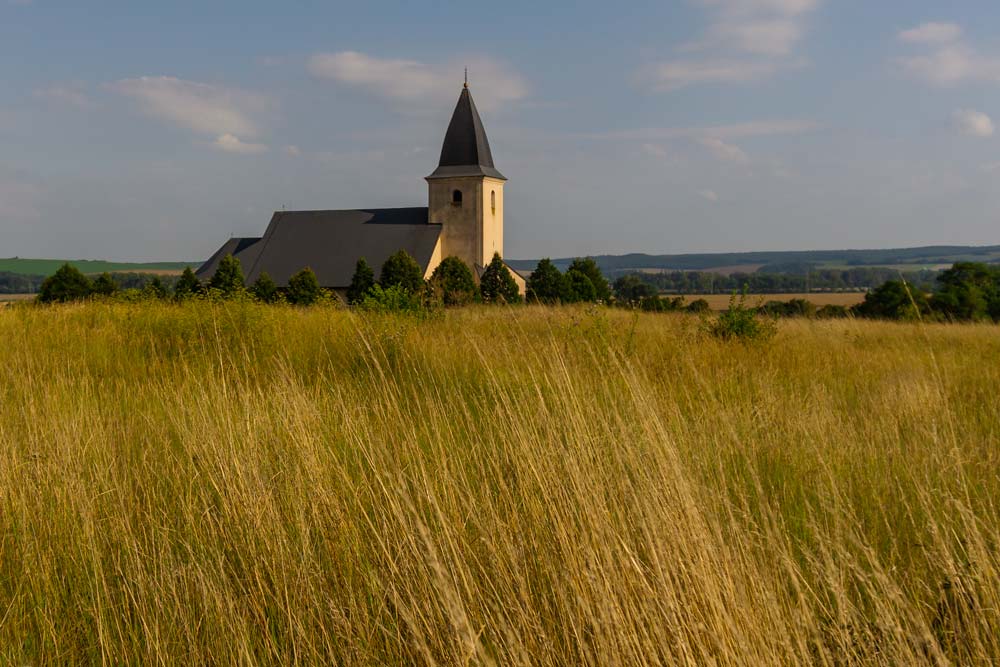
466 190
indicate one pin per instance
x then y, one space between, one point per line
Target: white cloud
952 61
232 144
293 151
708 195
769 37
201 107
932 33
66 94
973 123
747 40
418 83
723 151
665 77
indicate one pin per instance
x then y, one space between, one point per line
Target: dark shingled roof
244 249
331 242
466 150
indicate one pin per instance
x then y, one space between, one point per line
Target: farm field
236 483
7 298
46 267
720 302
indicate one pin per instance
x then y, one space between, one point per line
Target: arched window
456 198
493 200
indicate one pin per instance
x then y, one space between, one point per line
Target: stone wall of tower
472 229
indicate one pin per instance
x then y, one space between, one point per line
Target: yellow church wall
473 230
492 217
436 258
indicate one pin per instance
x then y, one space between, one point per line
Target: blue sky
142 131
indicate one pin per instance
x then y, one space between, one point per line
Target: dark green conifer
497 285
361 282
303 288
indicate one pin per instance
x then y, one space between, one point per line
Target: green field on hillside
243 484
46 267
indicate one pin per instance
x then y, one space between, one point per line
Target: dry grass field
720 302
240 484
8 298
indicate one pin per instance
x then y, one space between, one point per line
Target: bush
831 312
742 323
453 283
228 278
631 290
497 285
391 299
403 271
790 308
546 283
361 282
265 289
66 284
698 307
303 288
657 304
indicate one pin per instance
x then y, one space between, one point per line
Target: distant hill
794 261
46 267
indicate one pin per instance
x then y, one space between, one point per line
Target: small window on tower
493 200
456 198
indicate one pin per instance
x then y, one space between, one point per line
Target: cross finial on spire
466 84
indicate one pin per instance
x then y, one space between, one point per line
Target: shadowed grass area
250 484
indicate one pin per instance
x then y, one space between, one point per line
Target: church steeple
465 192
466 150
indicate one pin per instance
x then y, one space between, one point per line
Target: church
463 218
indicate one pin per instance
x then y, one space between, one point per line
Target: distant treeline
16 283
967 292
858 279
615 265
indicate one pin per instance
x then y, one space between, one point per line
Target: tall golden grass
238 484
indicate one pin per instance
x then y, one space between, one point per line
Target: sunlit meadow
244 484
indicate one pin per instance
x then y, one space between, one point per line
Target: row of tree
401 285
582 282
775 282
968 291
401 281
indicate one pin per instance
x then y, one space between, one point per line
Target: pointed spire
466 150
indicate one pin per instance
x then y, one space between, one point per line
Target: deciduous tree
66 284
546 284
